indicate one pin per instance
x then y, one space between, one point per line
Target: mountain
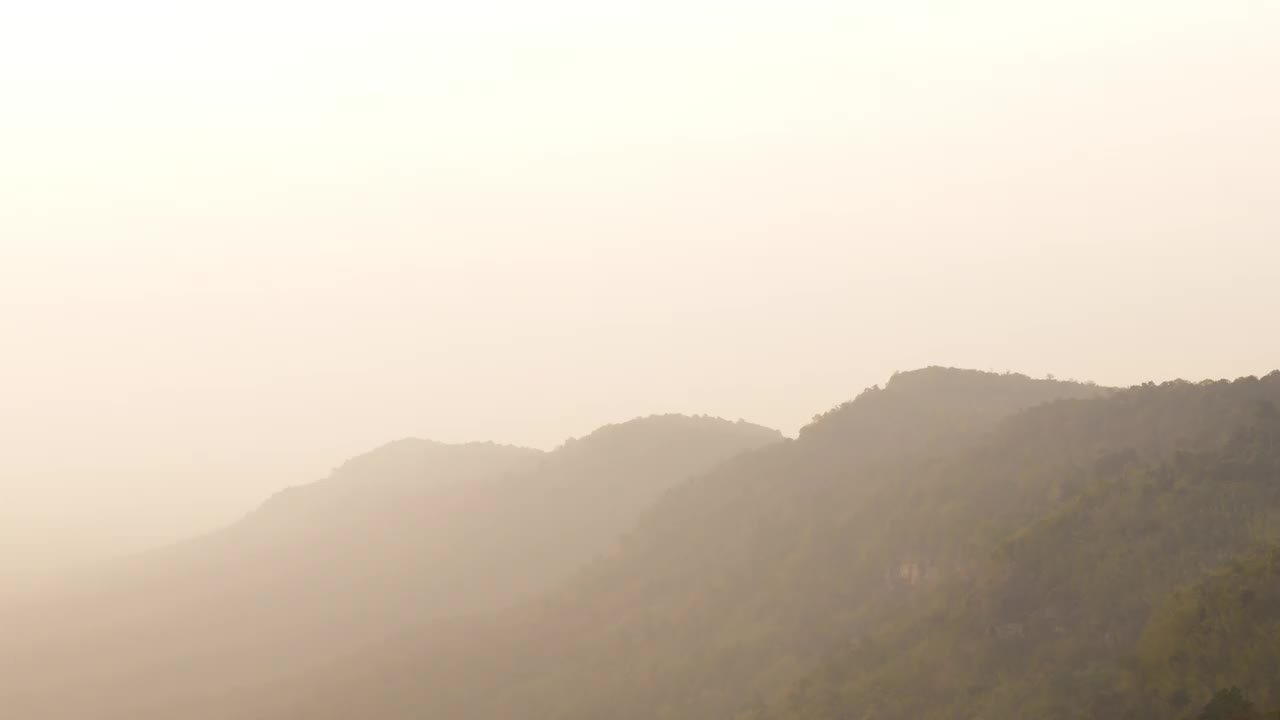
1082 611
733 586
955 544
411 531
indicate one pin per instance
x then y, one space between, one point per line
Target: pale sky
242 241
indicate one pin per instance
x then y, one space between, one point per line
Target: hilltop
408 532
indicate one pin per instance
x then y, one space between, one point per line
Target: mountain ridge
725 604
953 544
410 530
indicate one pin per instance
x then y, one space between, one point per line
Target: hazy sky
241 241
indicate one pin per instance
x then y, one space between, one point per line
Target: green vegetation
1224 628
1059 618
953 545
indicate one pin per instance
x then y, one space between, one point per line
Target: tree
1230 704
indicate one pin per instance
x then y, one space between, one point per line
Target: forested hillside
1058 619
737 581
412 531
1225 628
955 544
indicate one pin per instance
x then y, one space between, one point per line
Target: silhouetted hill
901 559
730 588
411 531
383 479
955 544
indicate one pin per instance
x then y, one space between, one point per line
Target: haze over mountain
953 545
299 302
242 241
411 531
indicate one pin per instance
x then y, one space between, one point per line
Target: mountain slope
943 547
1222 631
1050 626
411 531
733 585
955 544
